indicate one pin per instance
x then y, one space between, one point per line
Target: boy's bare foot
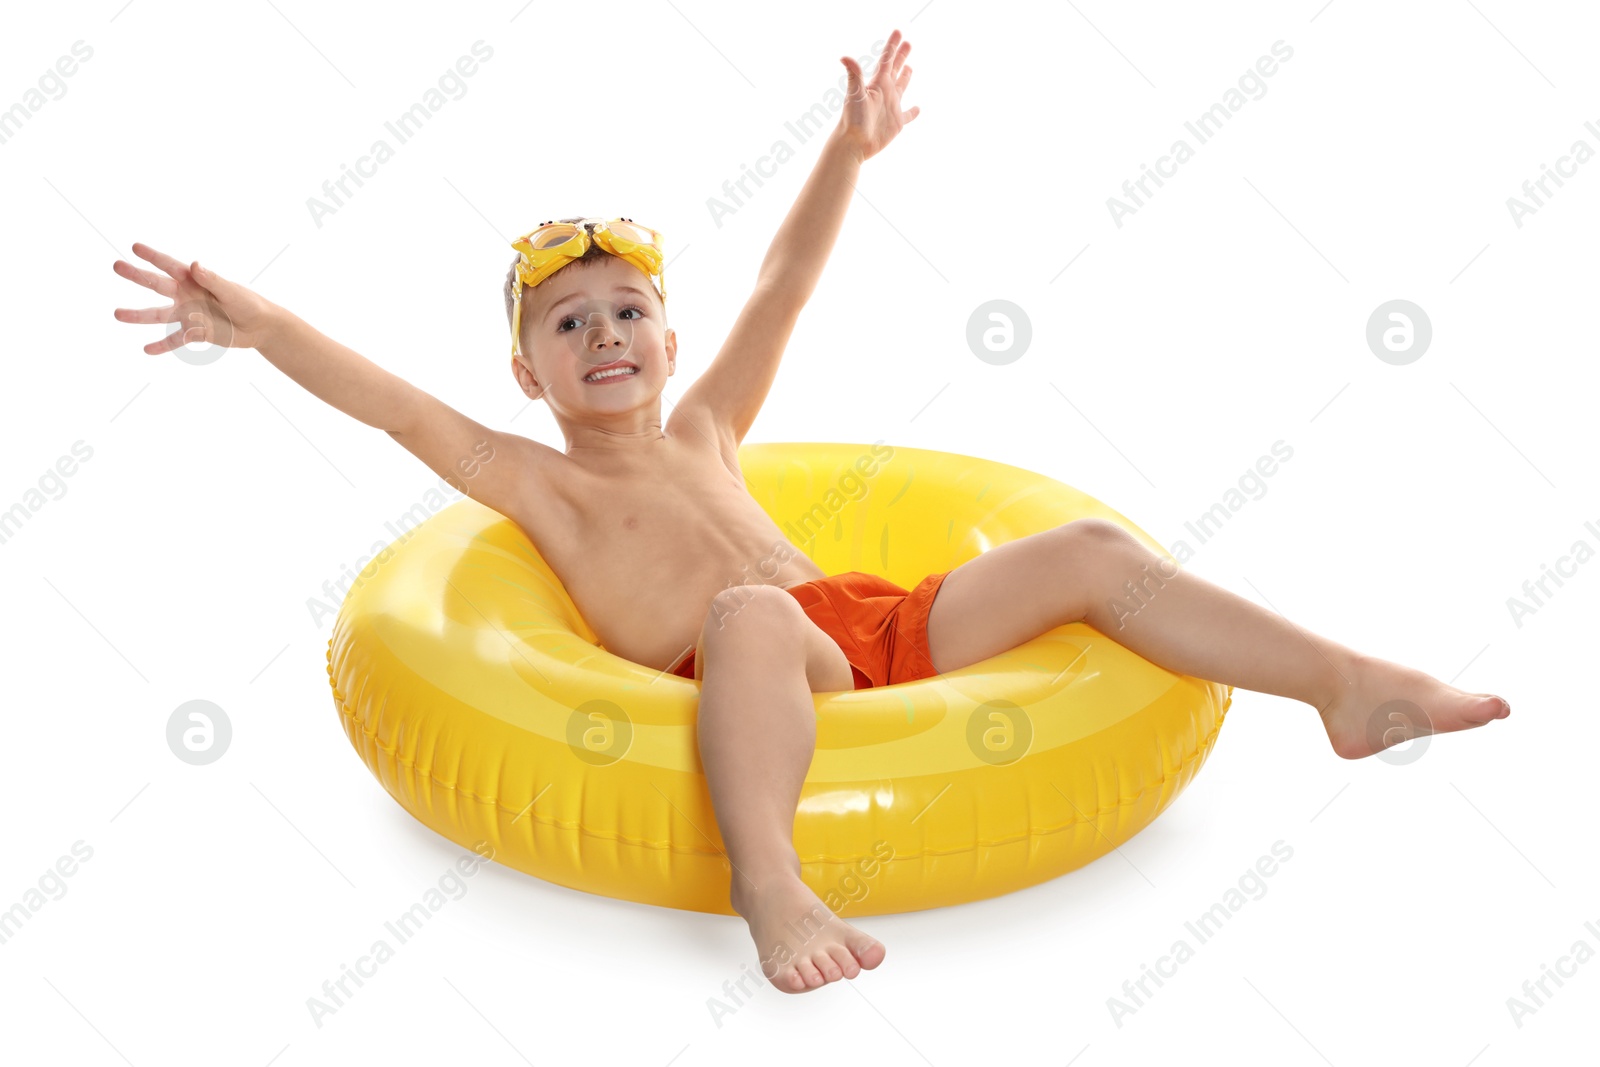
1385 704
802 944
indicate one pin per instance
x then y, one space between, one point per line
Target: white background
1226 314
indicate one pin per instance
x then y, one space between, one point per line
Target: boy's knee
1095 531
764 607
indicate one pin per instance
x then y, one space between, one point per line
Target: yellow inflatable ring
473 689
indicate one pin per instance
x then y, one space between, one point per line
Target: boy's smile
611 372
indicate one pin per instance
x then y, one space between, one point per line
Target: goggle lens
632 233
553 236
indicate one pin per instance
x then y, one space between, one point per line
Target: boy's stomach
654 617
647 588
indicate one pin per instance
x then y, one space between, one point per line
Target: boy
651 530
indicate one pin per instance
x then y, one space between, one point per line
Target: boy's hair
593 252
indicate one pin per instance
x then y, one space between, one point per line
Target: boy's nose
599 332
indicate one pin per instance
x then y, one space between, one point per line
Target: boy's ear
525 379
672 348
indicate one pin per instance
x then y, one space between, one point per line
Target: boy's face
585 317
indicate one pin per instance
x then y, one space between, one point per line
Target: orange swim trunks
881 628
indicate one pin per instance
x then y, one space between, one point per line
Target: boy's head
591 312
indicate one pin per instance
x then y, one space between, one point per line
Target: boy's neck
593 440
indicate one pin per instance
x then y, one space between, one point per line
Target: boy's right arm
499 470
496 469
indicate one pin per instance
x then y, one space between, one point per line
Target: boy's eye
561 326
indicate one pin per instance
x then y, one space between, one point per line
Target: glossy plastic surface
473 689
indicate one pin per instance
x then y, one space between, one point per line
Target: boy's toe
1488 708
808 973
867 951
825 965
846 961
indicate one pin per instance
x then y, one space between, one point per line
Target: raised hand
872 114
208 307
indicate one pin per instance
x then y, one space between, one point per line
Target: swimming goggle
552 245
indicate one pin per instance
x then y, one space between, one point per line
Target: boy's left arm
730 393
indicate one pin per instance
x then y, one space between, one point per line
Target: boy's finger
145 315
853 71
890 48
165 344
161 284
901 53
160 259
214 283
169 342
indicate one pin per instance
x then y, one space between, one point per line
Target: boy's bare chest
643 548
658 501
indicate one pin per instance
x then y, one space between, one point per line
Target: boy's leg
759 661
1094 571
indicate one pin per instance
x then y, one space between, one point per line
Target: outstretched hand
207 307
872 114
